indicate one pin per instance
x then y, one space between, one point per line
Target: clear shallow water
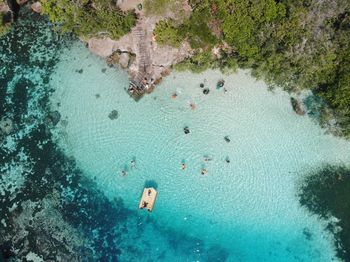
246 210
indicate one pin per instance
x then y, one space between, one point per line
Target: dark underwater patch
326 192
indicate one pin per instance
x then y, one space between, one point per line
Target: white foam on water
249 206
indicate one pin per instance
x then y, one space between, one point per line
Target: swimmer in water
124 173
133 163
204 171
174 96
193 106
183 166
207 159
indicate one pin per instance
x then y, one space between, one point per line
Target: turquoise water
245 210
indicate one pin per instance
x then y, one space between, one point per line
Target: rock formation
152 61
36 7
297 106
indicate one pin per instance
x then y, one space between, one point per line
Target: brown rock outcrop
152 61
36 7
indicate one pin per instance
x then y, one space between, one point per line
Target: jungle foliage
302 44
89 17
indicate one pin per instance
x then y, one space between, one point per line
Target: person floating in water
204 171
133 163
207 159
227 159
124 173
174 96
186 130
183 166
193 106
220 84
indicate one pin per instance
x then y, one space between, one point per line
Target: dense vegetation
89 17
327 193
299 45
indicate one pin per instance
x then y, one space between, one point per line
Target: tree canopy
89 18
294 44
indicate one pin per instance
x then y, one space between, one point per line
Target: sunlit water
245 210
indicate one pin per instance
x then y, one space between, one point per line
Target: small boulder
36 7
124 60
113 115
297 106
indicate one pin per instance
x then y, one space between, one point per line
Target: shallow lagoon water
245 210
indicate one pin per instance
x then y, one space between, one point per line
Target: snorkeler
183 166
133 163
124 173
204 171
174 96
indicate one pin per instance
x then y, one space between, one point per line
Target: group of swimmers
205 91
204 171
132 166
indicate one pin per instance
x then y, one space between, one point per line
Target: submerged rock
6 126
6 250
53 118
113 115
297 106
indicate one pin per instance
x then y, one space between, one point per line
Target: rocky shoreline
138 52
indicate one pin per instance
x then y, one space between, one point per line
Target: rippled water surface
63 195
244 210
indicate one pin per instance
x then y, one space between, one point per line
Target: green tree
89 18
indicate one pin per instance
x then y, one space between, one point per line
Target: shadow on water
151 183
